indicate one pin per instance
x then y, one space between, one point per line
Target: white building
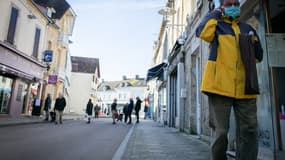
121 90
84 82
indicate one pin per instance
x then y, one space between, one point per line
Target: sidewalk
25 119
150 140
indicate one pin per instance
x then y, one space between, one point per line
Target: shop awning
156 71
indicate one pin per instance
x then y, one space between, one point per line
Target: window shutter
12 25
36 42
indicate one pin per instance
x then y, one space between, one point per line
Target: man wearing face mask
224 80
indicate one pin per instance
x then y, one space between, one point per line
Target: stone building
187 107
28 30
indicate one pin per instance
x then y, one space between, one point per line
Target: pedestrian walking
114 110
47 106
59 106
125 111
146 108
96 110
130 110
138 107
89 109
225 77
120 116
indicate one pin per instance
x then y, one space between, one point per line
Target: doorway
276 54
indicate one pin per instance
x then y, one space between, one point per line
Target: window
12 25
36 42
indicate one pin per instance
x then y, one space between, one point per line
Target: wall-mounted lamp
166 12
31 16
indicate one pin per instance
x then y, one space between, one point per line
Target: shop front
19 74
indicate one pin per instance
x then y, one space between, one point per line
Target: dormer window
50 11
125 84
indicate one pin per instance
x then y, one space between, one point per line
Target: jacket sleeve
207 27
257 48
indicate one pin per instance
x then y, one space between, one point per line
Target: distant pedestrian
114 110
47 106
125 111
120 116
138 107
96 110
130 110
146 108
59 106
89 109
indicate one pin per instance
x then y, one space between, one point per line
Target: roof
111 85
85 65
60 6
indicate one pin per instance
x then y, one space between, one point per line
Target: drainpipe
181 95
198 106
169 110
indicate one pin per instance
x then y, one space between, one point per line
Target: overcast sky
118 32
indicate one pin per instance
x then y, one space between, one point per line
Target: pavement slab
150 140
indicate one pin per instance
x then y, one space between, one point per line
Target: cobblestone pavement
152 141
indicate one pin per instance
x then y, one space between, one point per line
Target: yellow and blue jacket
224 72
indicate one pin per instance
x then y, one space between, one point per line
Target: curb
20 123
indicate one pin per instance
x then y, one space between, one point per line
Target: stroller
120 117
52 115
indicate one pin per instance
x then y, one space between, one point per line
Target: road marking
120 151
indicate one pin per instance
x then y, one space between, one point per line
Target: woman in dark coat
130 110
138 108
125 111
89 109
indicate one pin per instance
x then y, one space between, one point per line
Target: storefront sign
52 79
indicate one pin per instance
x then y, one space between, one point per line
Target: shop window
5 94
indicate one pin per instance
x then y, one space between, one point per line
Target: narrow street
206 77
72 140
100 140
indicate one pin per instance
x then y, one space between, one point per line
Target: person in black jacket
138 107
89 109
125 111
59 106
114 110
47 106
130 110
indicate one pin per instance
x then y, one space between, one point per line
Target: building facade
21 44
59 30
121 90
187 107
28 29
85 78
